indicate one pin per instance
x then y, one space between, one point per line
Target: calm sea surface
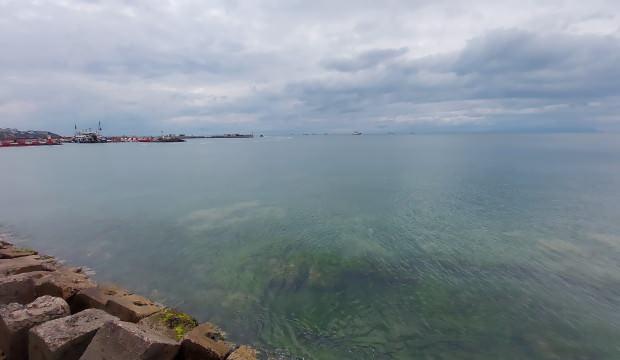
347 247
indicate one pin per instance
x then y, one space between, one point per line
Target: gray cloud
277 66
523 64
505 80
365 60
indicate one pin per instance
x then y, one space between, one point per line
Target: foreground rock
132 308
18 288
206 342
26 264
64 282
104 322
17 319
243 353
170 323
116 301
25 287
11 252
66 338
96 298
119 340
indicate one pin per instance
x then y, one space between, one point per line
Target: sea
472 246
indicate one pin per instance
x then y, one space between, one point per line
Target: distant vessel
169 138
30 142
231 136
88 136
357 133
159 139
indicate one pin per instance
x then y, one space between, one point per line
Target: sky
292 66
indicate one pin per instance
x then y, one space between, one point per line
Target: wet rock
66 338
116 301
243 353
17 289
96 298
206 342
76 269
64 283
26 264
170 323
11 252
4 240
119 340
132 308
17 319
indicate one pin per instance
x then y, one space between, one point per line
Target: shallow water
332 247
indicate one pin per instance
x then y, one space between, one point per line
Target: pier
51 311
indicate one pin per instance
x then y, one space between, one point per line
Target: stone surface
66 338
243 353
96 298
119 340
26 264
10 252
170 323
206 342
64 283
116 301
17 319
131 307
18 288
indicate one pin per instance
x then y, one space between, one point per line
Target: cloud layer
296 66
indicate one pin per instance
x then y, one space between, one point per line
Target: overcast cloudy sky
310 66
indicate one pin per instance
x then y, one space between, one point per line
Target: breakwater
51 311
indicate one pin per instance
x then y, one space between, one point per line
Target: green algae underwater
402 247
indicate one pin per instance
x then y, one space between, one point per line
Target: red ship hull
29 142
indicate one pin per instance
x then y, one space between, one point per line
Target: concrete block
26 264
66 338
206 342
95 298
11 252
17 319
132 308
18 288
116 301
170 323
119 340
64 283
243 353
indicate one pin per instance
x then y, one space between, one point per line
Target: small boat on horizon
357 133
231 136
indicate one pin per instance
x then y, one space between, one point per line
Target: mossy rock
25 249
170 323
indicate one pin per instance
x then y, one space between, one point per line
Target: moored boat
29 142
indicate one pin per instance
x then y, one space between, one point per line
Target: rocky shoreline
50 311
